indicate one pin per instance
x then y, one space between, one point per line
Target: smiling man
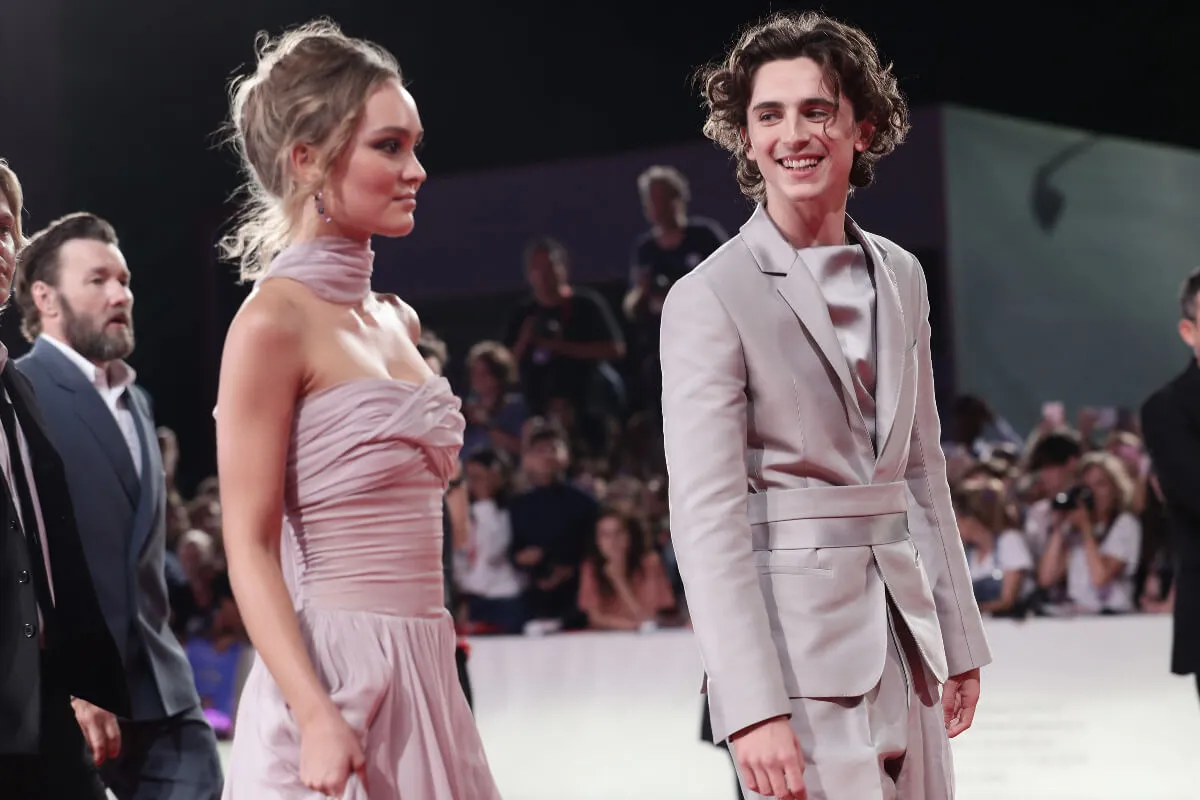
72 285
810 509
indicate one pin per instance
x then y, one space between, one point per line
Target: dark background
113 106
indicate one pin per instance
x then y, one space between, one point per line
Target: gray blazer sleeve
704 420
931 519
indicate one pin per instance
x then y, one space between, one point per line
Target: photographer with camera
1052 463
1094 540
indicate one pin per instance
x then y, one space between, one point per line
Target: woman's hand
329 752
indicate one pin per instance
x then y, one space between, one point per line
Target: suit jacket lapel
775 255
152 485
890 341
97 417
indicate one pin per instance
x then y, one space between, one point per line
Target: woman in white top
1095 541
999 557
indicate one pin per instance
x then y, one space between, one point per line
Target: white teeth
799 163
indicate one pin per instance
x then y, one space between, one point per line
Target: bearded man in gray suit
73 288
810 509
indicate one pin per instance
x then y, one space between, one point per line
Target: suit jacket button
23 577
29 631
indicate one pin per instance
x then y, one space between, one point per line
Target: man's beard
88 338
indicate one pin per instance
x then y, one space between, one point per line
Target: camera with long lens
1073 498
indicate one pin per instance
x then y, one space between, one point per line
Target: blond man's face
8 247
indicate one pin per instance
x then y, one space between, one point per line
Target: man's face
545 273
662 204
8 247
91 308
1056 478
545 458
800 134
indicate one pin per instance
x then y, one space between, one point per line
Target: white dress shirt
112 384
485 569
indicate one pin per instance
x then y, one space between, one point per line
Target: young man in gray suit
72 286
810 509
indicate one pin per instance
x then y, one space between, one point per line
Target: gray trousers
889 744
171 759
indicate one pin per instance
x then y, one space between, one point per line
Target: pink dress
362 555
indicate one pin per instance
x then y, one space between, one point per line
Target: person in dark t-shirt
673 246
564 338
552 523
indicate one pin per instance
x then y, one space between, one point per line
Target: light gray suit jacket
788 528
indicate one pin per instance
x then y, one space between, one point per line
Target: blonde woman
330 417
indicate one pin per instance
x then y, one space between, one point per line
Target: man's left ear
866 134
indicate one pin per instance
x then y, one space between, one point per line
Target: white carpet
1079 709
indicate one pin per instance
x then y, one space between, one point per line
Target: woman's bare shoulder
270 317
406 313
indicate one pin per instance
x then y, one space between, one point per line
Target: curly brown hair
851 65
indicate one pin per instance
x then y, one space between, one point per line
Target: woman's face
372 186
195 561
612 539
483 381
1103 491
482 481
1131 458
970 529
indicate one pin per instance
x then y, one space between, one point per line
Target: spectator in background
1094 541
672 247
1052 465
207 609
455 513
656 515
209 487
168 446
495 409
1128 448
487 578
975 427
177 520
552 522
998 556
564 338
622 584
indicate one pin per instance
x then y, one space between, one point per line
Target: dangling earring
319 197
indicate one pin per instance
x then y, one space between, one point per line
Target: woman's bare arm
262 372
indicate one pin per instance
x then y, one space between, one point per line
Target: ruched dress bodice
366 473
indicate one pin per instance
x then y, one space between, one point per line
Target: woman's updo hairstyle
310 86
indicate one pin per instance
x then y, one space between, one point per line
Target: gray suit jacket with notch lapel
788 525
122 525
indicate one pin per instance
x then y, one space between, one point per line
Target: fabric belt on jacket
828 516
